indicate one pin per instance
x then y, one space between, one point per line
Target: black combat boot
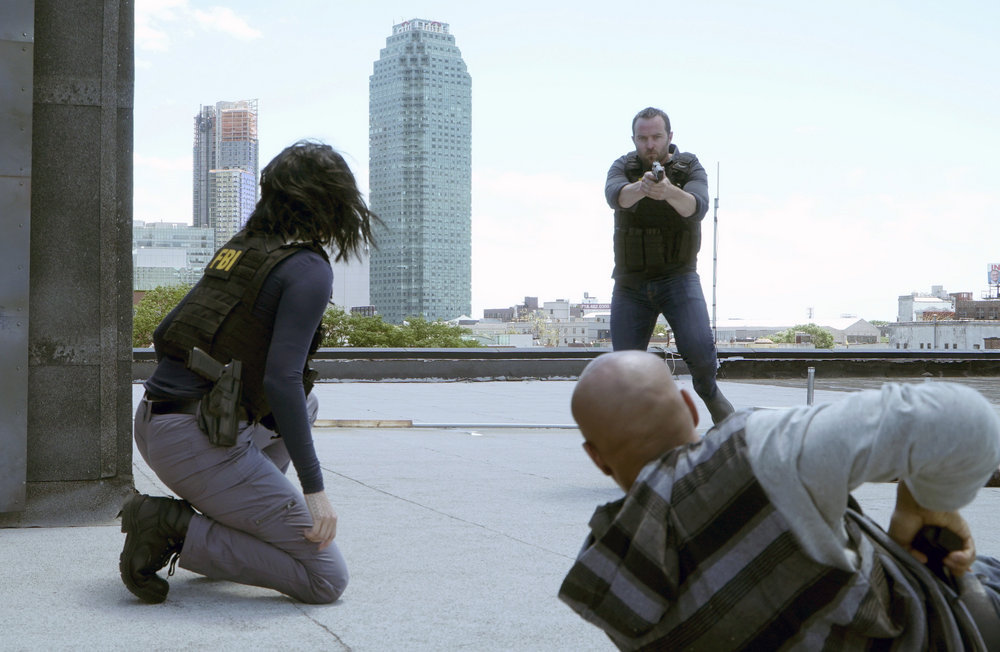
154 531
719 407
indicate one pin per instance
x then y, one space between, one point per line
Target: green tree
151 310
418 332
543 331
821 338
354 329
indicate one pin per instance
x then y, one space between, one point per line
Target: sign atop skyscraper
420 174
418 23
226 166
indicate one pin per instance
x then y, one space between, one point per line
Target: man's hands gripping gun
954 550
936 543
220 413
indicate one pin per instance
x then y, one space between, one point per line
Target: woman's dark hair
308 193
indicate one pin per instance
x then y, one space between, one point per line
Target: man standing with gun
660 196
226 409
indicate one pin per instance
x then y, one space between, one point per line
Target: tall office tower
225 138
420 174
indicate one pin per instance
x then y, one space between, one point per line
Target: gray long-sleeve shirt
941 439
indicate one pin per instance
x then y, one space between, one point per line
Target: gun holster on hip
219 413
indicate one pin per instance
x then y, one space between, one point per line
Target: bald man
743 539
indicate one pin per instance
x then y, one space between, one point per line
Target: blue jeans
635 308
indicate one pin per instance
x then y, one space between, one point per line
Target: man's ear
691 407
596 458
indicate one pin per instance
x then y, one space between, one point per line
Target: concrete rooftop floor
456 537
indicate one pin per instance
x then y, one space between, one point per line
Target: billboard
994 273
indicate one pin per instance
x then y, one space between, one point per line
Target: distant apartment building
169 253
942 321
557 310
499 314
554 323
226 166
983 309
420 174
519 312
920 306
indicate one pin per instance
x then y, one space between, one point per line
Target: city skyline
855 141
420 129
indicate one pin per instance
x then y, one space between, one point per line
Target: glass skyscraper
420 175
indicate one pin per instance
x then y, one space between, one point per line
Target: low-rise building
846 331
954 335
922 306
984 309
946 321
852 330
169 253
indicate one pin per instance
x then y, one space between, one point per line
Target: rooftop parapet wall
401 365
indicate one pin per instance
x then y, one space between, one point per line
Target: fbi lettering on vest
224 259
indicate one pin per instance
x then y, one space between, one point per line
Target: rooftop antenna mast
715 252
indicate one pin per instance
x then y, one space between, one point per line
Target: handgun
937 542
220 412
658 171
204 365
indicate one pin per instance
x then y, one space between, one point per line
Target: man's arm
679 199
941 439
909 517
690 201
616 181
696 187
630 194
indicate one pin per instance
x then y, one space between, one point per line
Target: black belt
175 406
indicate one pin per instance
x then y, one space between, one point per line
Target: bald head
631 412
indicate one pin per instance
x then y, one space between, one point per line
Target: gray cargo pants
252 519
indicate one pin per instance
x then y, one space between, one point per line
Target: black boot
719 407
154 531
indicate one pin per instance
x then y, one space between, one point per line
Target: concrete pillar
78 466
16 57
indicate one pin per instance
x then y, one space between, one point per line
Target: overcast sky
857 141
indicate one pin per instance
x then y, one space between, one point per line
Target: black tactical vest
217 315
651 238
